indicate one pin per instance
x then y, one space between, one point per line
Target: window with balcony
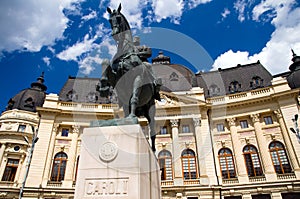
59 167
21 128
268 120
163 130
186 128
252 161
189 165
165 164
244 124
10 170
64 132
279 158
220 127
226 163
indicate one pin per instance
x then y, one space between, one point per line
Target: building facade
220 135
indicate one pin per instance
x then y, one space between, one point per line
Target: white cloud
225 13
168 9
276 55
46 60
31 24
91 15
76 50
195 3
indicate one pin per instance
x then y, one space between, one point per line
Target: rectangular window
10 170
65 132
220 127
268 120
244 124
163 130
186 129
21 128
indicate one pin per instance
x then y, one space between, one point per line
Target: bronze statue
130 74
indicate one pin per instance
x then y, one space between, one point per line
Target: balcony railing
241 96
286 176
257 179
191 182
54 184
230 181
167 182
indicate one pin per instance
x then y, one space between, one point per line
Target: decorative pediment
171 99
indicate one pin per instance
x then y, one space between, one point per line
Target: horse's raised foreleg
136 91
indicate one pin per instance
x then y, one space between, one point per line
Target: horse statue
129 73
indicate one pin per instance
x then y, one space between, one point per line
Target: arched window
59 167
189 168
252 161
226 163
279 158
165 164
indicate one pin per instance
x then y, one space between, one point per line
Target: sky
72 37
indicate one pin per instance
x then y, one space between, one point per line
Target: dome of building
30 98
174 77
294 77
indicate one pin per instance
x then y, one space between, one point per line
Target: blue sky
72 37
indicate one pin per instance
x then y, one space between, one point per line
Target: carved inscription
106 187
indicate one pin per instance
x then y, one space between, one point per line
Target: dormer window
234 86
174 77
29 102
92 97
256 82
214 90
72 96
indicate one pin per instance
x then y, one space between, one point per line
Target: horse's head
119 24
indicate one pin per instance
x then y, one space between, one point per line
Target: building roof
232 80
82 89
30 98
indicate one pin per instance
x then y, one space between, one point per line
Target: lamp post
34 140
296 129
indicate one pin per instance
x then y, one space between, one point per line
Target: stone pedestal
117 162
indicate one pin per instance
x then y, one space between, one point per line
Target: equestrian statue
130 74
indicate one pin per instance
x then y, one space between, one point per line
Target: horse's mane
125 20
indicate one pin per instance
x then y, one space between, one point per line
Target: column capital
255 117
197 121
55 127
76 128
231 121
278 113
174 123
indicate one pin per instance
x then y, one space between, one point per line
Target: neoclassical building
223 134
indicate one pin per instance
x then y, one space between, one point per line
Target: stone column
276 195
49 160
2 149
68 181
288 143
237 148
176 152
263 149
200 152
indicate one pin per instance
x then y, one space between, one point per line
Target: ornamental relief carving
174 123
255 117
231 121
